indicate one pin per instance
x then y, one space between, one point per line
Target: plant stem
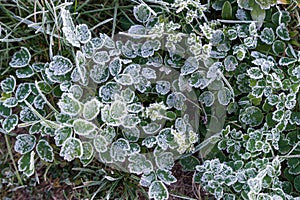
12 159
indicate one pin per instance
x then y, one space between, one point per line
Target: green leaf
25 143
267 36
8 85
252 116
71 149
45 151
227 10
10 123
295 118
23 91
207 98
26 164
69 105
282 32
20 58
297 183
25 72
189 163
278 47
5 111
158 191
258 15
91 109
83 127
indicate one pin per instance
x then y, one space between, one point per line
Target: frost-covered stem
51 124
101 23
44 97
115 19
12 159
291 151
235 21
138 35
182 197
226 82
150 9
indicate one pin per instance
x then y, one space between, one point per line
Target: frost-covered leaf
151 128
147 179
45 151
230 63
88 151
141 13
165 160
83 33
158 191
20 58
115 66
266 4
71 149
149 73
83 127
8 85
38 67
163 87
128 95
224 96
190 66
26 115
10 123
88 49
131 120
5 111
166 176
99 73
198 80
23 91
118 109
285 61
35 128
97 42
100 143
139 164
135 108
255 73
176 100
62 134
60 65
26 164
149 142
124 79
25 143
118 150
108 42
101 57
91 109
131 134
107 92
39 102
69 105
267 36
147 49
68 27
282 32
25 72
207 98
10 102
252 116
